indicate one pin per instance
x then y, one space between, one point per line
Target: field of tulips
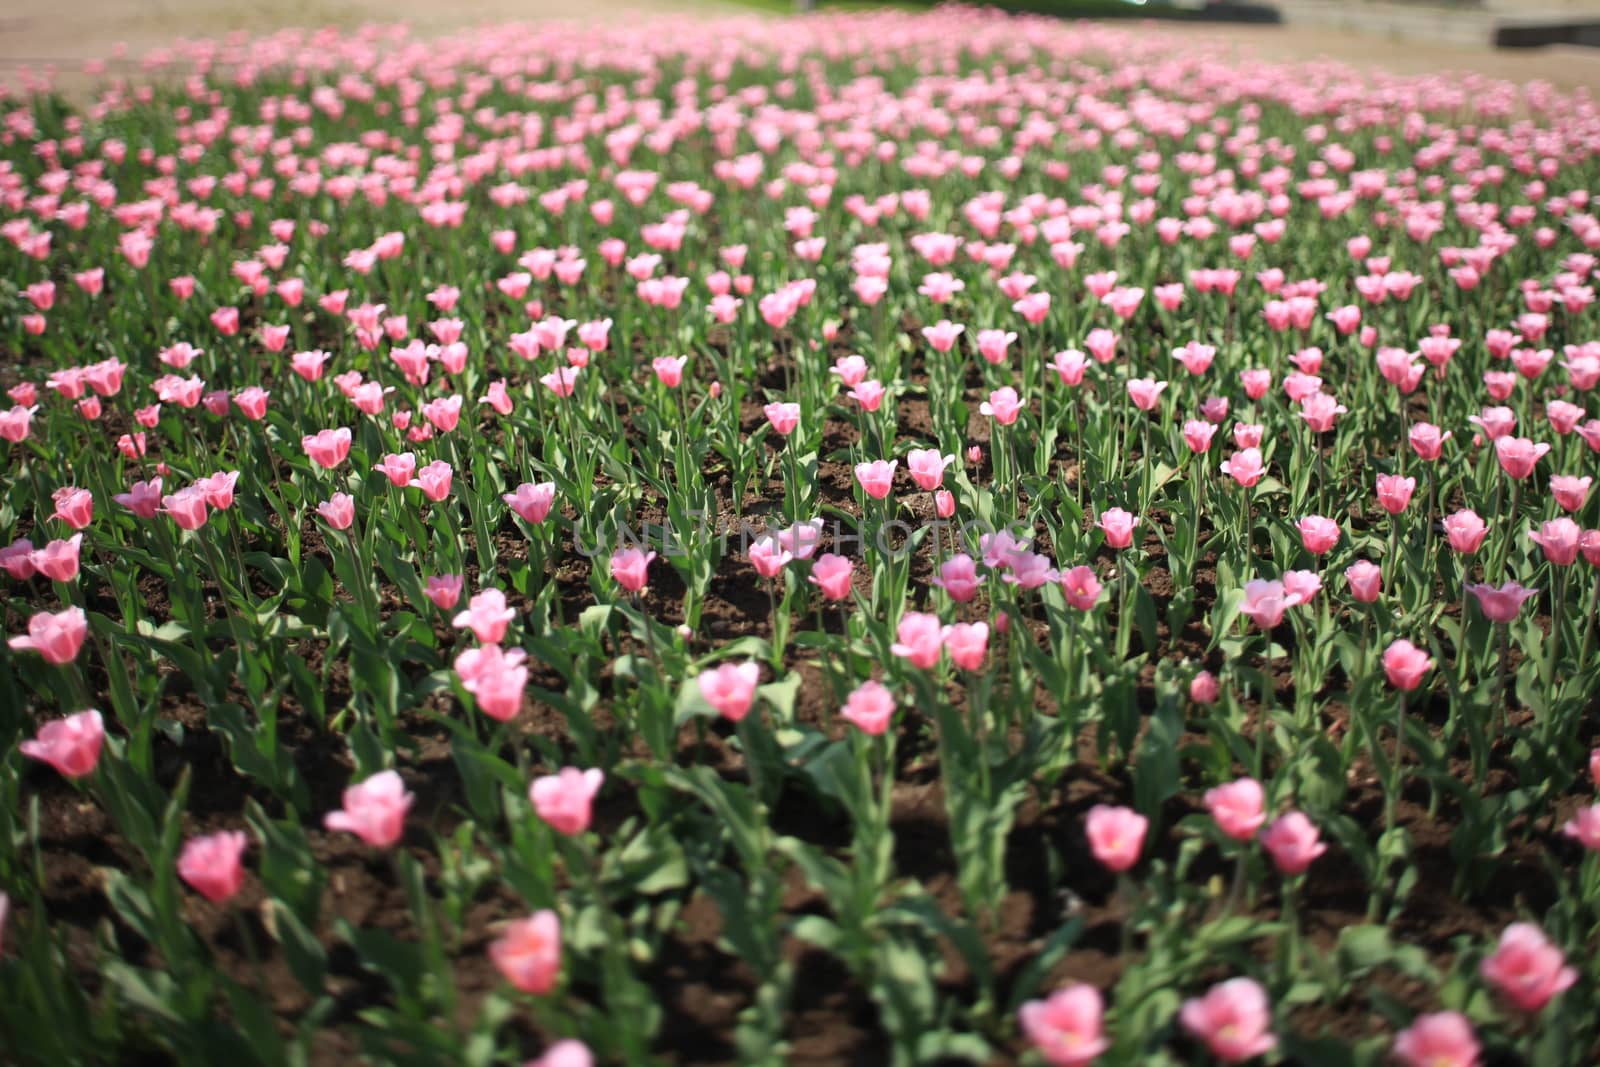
870 539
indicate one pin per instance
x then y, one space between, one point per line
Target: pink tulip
1366 581
398 467
1066 1029
1204 689
1526 968
528 954
1559 540
142 498
1464 530
17 559
488 616
1426 440
1293 842
869 708
1443 1039
1145 392
375 810
730 688
968 644
992 344
1238 808
769 557
1244 467
1320 411
1197 434
1501 604
1266 601
629 568
1081 587
942 335
1518 455
1405 664
783 418
877 477
1570 493
1584 827
669 369
834 575
958 576
800 539
569 1052
1116 836
1069 366
327 448
927 467
73 506
565 800
944 503
495 678
211 867
58 560
1318 534
869 394
70 745
532 502
338 511
1233 1019
1003 406
57 636
1394 492
434 480
1117 525
919 639
444 590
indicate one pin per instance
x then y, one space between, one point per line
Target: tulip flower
1526 968
1117 525
926 466
869 708
1238 808
1065 1028
532 502
1266 601
488 616
877 477
528 953
70 745
1233 1020
1584 827
1443 1039
730 688
210 865
565 800
1406 665
1081 587
834 575
56 636
1501 604
629 567
1293 842
919 639
1116 836
375 810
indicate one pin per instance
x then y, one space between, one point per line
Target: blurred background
1555 40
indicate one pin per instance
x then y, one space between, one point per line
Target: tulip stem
249 942
1589 627
1395 774
1555 632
